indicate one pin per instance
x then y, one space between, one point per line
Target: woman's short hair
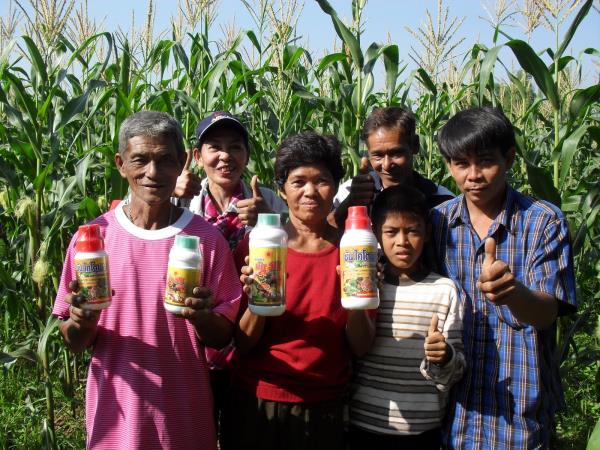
306 149
151 124
475 130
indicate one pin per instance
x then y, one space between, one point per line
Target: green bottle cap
189 242
270 220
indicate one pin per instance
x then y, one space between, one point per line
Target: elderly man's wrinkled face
151 166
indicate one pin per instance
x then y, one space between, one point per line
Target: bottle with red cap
91 267
358 261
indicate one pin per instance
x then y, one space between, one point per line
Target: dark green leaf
426 81
573 28
487 68
541 182
582 99
569 147
344 33
533 65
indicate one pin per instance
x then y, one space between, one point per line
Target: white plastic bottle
358 261
268 255
91 268
184 272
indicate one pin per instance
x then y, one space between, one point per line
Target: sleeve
551 268
220 275
342 193
61 307
446 376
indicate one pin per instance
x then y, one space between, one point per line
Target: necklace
131 219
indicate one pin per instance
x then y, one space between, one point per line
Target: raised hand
362 188
188 183
436 349
496 280
249 208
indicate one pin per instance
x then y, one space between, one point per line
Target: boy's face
391 155
482 177
402 237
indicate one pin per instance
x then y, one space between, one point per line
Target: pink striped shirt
148 382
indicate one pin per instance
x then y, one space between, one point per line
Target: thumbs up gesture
188 183
362 187
249 208
436 349
496 280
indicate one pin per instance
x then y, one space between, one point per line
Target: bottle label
359 271
268 265
93 279
180 284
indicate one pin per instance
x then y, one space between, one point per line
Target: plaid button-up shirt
512 387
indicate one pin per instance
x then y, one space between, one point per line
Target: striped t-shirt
396 391
147 384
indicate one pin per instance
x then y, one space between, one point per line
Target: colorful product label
180 284
268 264
92 276
359 271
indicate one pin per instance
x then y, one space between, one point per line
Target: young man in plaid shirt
511 259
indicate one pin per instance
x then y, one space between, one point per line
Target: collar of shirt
505 218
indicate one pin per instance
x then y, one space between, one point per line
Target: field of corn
66 86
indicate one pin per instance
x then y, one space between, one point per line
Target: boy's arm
549 287
360 331
446 375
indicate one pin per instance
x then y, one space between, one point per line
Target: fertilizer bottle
268 255
184 272
91 268
358 261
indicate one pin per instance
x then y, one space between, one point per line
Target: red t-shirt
303 355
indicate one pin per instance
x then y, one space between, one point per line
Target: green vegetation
65 90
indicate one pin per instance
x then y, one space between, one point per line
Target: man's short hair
474 131
392 117
151 124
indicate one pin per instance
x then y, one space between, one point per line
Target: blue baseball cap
220 118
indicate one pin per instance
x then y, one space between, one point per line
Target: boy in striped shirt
399 394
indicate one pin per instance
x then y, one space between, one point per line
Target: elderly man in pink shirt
148 385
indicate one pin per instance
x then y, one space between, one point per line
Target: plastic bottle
268 255
91 268
184 272
358 261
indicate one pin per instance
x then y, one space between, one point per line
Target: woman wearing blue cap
228 203
223 198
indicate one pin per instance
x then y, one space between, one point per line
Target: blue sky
382 17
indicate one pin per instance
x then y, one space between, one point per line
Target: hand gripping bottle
91 268
358 261
268 255
184 272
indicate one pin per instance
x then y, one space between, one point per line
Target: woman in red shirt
294 369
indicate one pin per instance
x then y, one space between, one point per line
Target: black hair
392 117
474 131
305 149
396 200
